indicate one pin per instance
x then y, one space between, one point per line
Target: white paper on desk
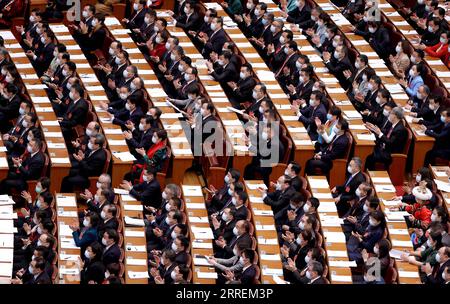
370 137
3 149
124 156
257 212
236 122
344 264
202 232
60 160
272 271
340 278
381 180
133 221
384 188
398 243
65 201
17 55
132 207
121 191
202 245
265 227
256 199
206 275
195 206
111 21
393 231
7 226
136 262
69 271
69 244
270 257
253 186
64 230
198 219
4 198
138 274
264 241
337 253
136 248
323 195
201 262
6 254
6 240
352 114
3 162
133 233
278 280
408 274
192 190
49 123
327 207
318 183
63 213
391 203
443 186
56 145
68 257
297 130
117 142
53 134
334 237
357 127
396 254
113 131
302 142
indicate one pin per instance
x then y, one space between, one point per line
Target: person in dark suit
93 40
291 213
30 30
272 151
379 39
281 196
342 194
165 268
205 125
137 17
149 191
354 78
338 64
299 14
386 144
259 96
430 113
441 147
327 45
241 238
85 236
315 273
111 251
43 55
92 268
357 218
432 35
108 218
288 66
336 149
35 274
190 19
224 71
305 85
22 169
140 137
293 170
9 106
147 30
87 164
131 115
247 275
221 196
311 109
179 245
239 201
276 54
216 40
435 274
224 225
76 112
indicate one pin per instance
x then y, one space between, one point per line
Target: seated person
111 251
309 111
92 270
148 191
86 235
441 147
283 193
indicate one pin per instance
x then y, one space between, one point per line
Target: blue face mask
443 119
329 116
265 22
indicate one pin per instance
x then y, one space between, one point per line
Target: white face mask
241 260
87 254
213 26
264 136
174 247
29 149
145 178
305 208
135 6
418 178
376 250
235 252
103 214
141 127
39 230
132 86
167 220
91 146
94 22
308 275
372 29
173 235
429 243
24 124
172 57
117 60
372 222
282 40
385 113
286 50
31 269
235 231
164 195
167 45
311 102
273 28
104 242
234 201
358 192
86 223
278 186
434 217
365 208
307 259
43 40
128 107
111 51
158 40
187 77
370 86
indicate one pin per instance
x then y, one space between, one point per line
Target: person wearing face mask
76 111
432 35
224 223
92 270
42 56
305 84
436 274
92 39
242 90
223 70
326 132
310 111
158 233
148 191
379 38
358 208
369 100
336 149
179 245
314 273
108 219
241 238
165 268
111 251
215 41
288 66
414 82
206 127
358 221
282 195
248 275
10 104
374 112
429 115
354 79
300 14
81 143
293 170
338 64
276 54
423 256
372 235
96 203
291 213
148 29
87 234
140 137
441 147
189 85
137 16
439 50
266 36
16 139
233 264
238 200
400 62
190 20
35 274
327 44
219 197
129 117
391 143
84 165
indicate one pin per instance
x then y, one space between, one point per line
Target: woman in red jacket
440 50
157 48
420 214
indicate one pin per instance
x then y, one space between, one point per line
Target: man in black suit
35 274
434 275
137 17
128 75
28 167
223 71
280 198
354 78
190 19
344 193
148 30
216 40
327 45
311 109
277 54
111 251
288 66
140 137
386 144
430 113
293 170
87 164
247 275
268 149
315 272
30 31
259 94
290 214
43 55
241 238
149 191
379 39
9 106
180 244
108 218
357 217
299 14
304 87
129 117
441 147
76 112
202 127
239 200
221 196
431 37
11 136
338 64
336 149
241 91
224 225
18 141
165 268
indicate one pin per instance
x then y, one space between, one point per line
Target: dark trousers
378 156
13 181
312 164
74 180
433 154
253 169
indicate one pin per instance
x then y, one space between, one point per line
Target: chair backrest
107 162
350 144
408 141
45 167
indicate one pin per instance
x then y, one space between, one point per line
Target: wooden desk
135 243
7 231
197 217
181 150
114 137
265 233
68 252
438 175
333 236
57 151
397 230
